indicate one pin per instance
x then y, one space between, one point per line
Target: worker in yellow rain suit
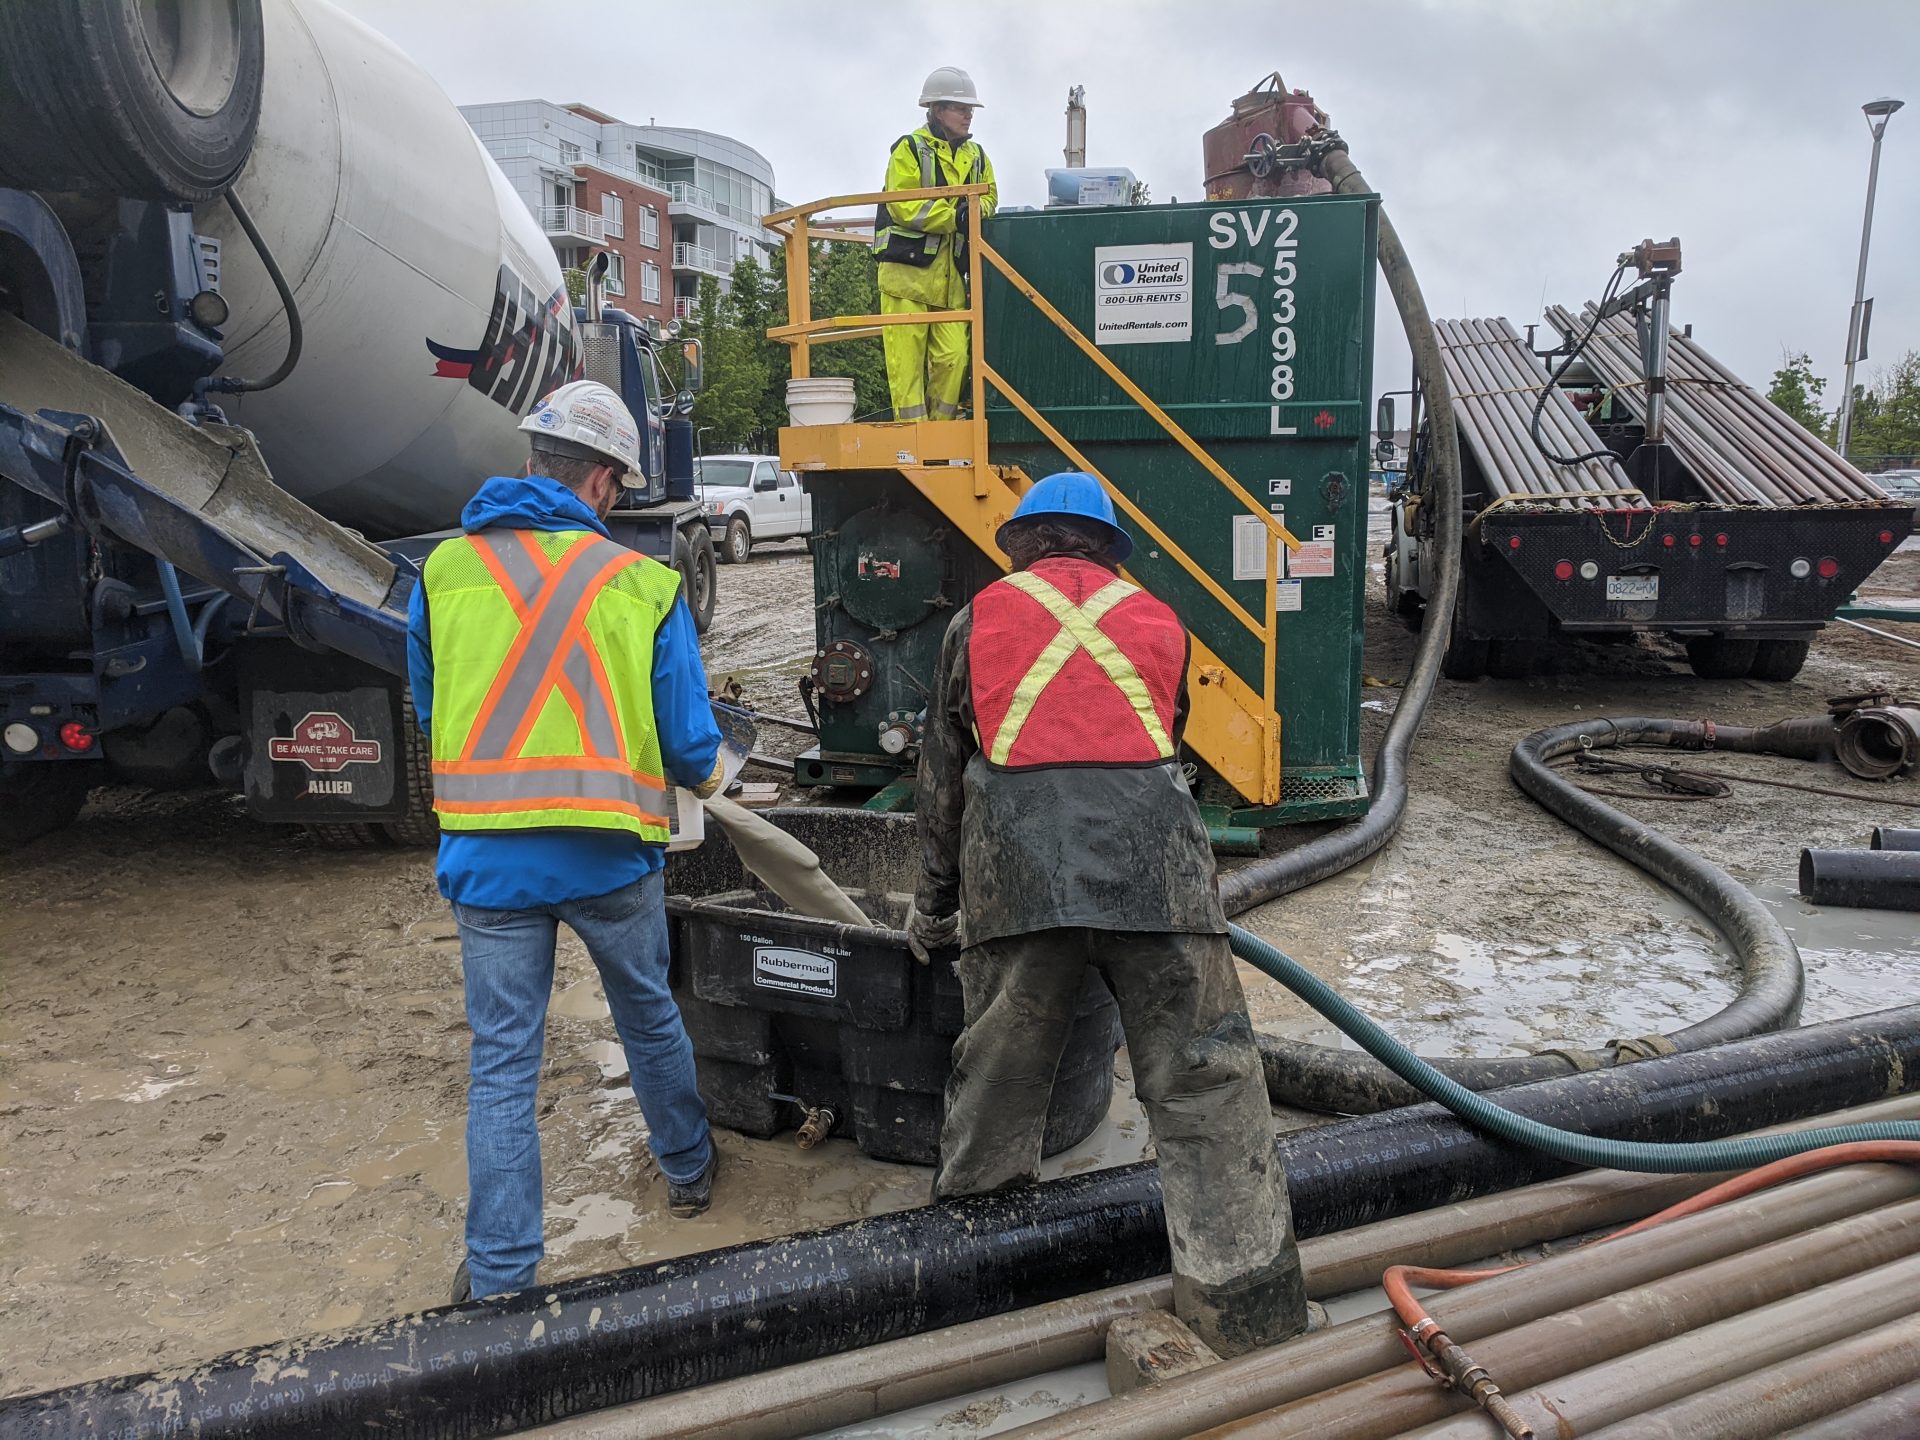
921 247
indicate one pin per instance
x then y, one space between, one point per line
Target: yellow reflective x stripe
1079 630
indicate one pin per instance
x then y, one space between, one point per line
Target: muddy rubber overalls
1053 813
919 246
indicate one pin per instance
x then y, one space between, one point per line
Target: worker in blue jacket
559 677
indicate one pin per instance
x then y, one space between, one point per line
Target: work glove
927 933
710 786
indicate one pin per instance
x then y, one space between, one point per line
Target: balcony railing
699 257
685 307
572 220
685 194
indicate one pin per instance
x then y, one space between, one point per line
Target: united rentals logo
529 350
1144 274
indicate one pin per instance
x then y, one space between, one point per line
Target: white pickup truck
749 498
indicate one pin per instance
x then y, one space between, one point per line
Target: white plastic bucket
820 400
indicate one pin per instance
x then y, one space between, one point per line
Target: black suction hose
296 335
1329 854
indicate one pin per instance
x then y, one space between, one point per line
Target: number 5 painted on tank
1226 297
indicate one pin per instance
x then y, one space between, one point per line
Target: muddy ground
232 1062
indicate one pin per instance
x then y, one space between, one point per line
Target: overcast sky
1519 145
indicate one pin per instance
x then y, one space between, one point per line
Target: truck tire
1780 659
739 542
1465 657
702 587
1512 657
40 798
1721 657
138 97
422 825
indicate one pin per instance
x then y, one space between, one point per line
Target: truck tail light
76 737
1800 568
1513 542
1693 540
1886 537
1668 541
1828 567
1721 539
1563 570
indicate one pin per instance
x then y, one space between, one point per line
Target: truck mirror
1383 419
690 375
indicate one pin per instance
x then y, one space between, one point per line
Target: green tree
756 303
575 279
1797 390
1886 413
728 408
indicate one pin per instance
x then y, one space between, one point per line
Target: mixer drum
433 306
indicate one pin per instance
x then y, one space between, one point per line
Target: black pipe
1806 737
1316 1077
296 332
1329 854
1889 837
493 1366
1861 879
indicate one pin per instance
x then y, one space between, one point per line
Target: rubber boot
1263 1307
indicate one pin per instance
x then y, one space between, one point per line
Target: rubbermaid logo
1135 274
799 971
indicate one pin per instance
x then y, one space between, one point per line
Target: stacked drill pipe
1630 1325
1739 446
941 1365
1496 383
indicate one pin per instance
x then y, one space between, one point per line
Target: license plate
1633 587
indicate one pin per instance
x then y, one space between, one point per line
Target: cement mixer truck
268 314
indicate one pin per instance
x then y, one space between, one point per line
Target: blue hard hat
1076 495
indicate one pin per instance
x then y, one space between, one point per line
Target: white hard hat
587 415
950 86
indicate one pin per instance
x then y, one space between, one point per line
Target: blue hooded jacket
524 869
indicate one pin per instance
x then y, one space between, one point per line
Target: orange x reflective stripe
552 650
1079 630
520 567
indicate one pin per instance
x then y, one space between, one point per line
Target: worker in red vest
1057 832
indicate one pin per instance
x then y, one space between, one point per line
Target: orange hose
1398 1278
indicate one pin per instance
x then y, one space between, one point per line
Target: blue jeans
507 956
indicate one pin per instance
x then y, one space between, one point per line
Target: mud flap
327 741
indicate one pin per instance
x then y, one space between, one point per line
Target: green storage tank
1251 324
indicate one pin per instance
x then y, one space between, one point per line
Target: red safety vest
1073 666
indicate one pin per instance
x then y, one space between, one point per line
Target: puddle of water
1466 996
581 1000
1856 960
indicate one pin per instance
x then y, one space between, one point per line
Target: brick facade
631 246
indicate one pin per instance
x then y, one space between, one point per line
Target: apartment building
668 204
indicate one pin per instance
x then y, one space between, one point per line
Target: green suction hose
1675 1158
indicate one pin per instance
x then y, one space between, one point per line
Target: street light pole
1877 112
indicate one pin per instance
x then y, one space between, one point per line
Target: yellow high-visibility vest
543 682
